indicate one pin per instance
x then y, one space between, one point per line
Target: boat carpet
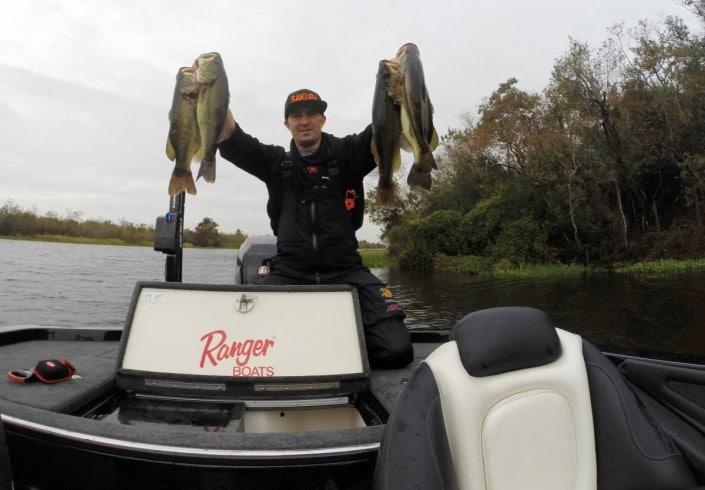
386 384
94 362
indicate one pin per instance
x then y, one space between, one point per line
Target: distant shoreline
379 258
74 240
91 241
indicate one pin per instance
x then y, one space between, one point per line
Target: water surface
91 285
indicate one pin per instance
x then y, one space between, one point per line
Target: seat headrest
499 340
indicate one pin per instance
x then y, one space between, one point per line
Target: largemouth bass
416 116
214 121
183 140
386 130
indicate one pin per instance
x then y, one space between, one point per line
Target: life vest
286 179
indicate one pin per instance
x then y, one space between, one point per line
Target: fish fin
207 171
375 153
406 133
418 178
181 180
404 143
433 144
170 152
228 127
385 195
191 185
200 154
396 160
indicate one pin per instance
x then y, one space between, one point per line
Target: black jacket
313 212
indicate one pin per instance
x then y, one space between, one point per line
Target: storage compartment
254 416
302 420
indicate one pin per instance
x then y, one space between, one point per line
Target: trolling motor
168 237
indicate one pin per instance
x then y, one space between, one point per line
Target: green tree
206 234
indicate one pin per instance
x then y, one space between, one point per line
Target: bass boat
250 386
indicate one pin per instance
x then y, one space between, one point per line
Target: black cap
304 98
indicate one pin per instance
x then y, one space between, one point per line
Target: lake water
91 285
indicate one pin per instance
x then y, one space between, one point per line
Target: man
316 203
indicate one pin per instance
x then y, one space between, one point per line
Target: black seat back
5 472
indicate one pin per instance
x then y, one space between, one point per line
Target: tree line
605 165
18 222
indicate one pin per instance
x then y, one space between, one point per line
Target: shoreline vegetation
468 265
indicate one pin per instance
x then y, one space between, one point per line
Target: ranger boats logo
217 348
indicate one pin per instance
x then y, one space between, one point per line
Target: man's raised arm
358 147
249 154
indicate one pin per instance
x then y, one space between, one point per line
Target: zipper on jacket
314 238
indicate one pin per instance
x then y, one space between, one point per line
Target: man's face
305 125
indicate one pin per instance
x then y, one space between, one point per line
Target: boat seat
513 402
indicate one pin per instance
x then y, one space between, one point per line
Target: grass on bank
377 258
505 269
663 267
75 239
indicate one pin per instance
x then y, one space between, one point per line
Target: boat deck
39 408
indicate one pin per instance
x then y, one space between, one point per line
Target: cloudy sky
85 87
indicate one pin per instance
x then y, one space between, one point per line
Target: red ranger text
216 348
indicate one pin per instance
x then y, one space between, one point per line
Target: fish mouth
213 55
207 57
404 47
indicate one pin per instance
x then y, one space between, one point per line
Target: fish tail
207 171
181 180
427 161
418 177
385 195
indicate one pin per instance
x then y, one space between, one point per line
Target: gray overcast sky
85 87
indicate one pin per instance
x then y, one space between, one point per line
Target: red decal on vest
350 196
312 169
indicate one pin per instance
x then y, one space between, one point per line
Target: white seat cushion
525 429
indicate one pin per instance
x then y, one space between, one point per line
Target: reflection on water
91 285
621 312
